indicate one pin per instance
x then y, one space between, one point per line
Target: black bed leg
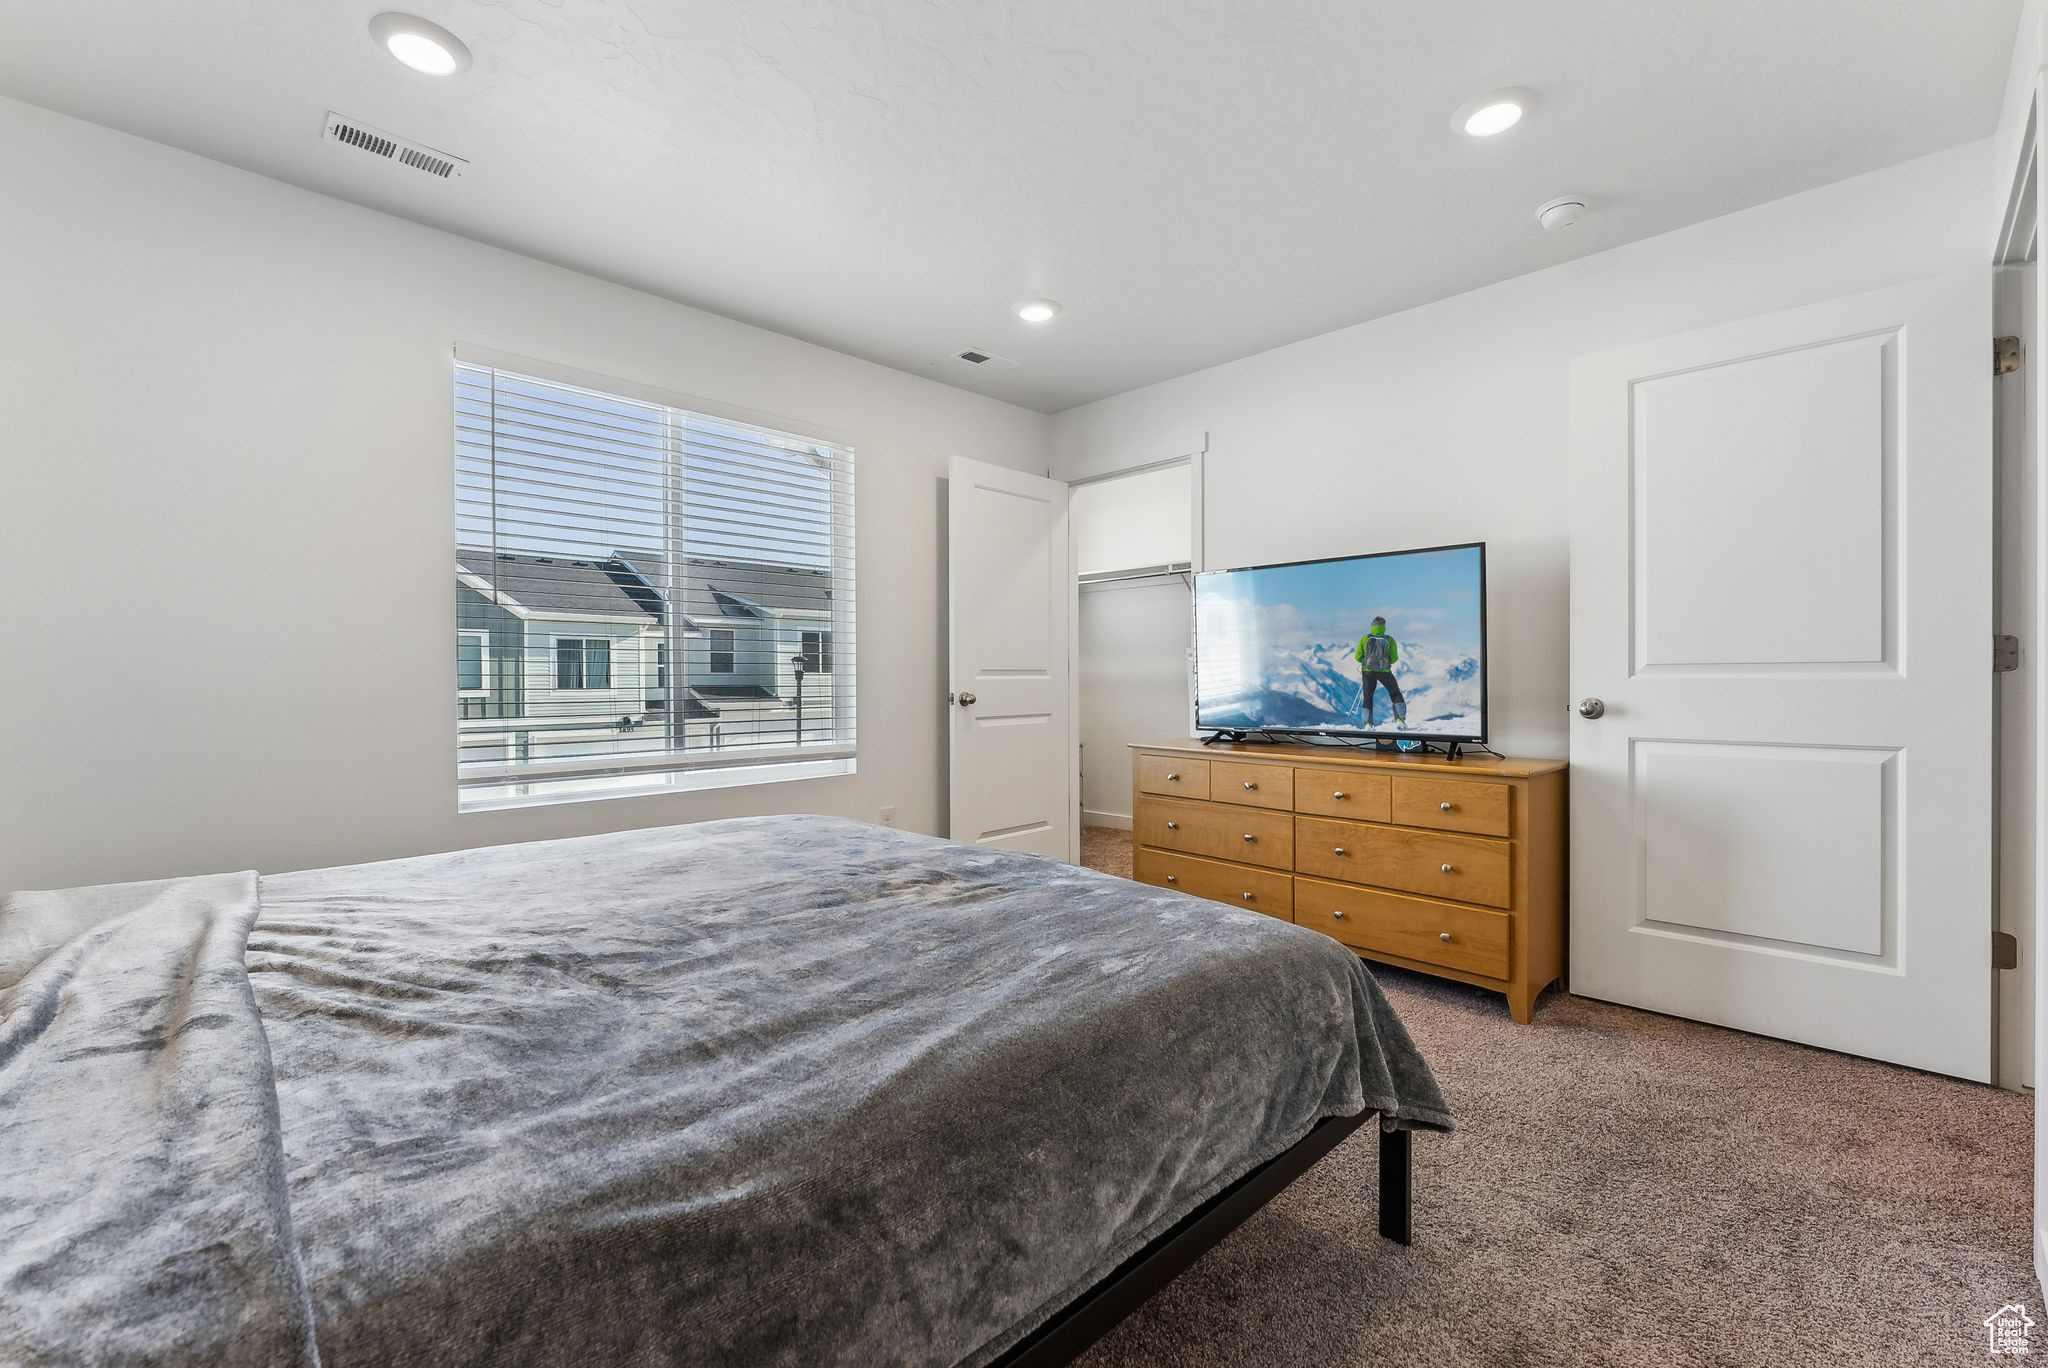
1397 1184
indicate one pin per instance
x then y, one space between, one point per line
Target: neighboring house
567 655
757 622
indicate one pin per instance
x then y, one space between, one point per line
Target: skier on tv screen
1377 652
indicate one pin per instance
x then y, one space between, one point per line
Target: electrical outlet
888 816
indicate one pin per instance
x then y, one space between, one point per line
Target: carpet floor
1627 1188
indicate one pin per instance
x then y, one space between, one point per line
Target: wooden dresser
1453 868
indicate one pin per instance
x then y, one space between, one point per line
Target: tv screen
1391 646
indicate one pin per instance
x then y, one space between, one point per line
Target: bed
768 1091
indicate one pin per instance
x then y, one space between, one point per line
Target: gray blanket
770 1091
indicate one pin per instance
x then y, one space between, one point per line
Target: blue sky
1433 593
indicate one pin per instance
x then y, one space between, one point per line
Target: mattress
788 1090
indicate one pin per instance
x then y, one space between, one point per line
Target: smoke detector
1562 212
987 360
375 141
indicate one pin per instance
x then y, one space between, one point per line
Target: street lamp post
797 660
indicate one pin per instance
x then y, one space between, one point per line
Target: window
608 533
470 651
583 663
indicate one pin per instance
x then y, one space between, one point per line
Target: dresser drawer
1240 834
1261 890
1356 794
1468 868
1266 786
1410 928
1451 804
1173 776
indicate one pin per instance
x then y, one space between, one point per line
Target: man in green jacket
1376 655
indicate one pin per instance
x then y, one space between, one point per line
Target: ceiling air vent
354 133
987 360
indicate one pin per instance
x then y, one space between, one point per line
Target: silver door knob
1173 826
1444 936
1338 913
1249 837
1247 897
1446 869
1172 778
1443 807
1590 708
1173 878
1338 795
967 700
1249 785
1338 851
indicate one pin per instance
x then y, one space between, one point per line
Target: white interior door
1009 608
1781 593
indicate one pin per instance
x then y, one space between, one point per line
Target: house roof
546 585
738 589
628 583
736 693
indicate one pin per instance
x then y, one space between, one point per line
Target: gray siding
503 687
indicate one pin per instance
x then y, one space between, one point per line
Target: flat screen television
1390 646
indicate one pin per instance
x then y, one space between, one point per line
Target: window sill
549 792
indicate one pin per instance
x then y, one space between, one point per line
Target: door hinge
2005 950
2006 355
2005 654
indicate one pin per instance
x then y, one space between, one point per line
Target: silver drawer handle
1447 869
1249 785
1444 936
1441 807
1247 897
1173 778
1338 913
1173 826
1173 878
1339 850
1338 795
1249 837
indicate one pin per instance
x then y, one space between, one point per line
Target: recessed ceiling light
1493 113
1038 310
422 45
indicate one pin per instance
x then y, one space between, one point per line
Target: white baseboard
2041 1258
1120 820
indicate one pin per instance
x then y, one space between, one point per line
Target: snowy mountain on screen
1318 685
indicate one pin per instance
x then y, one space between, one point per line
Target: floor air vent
353 133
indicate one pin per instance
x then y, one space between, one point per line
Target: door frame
1194 458
2015 240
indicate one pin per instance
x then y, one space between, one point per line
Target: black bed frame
1095 1312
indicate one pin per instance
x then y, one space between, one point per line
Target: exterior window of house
583 663
470 648
602 529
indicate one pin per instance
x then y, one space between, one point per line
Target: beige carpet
1630 1189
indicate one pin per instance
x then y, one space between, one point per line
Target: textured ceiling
1194 179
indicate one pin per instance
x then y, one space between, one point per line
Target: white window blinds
642 591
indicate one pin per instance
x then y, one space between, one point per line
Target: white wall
1449 423
1133 684
226 437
